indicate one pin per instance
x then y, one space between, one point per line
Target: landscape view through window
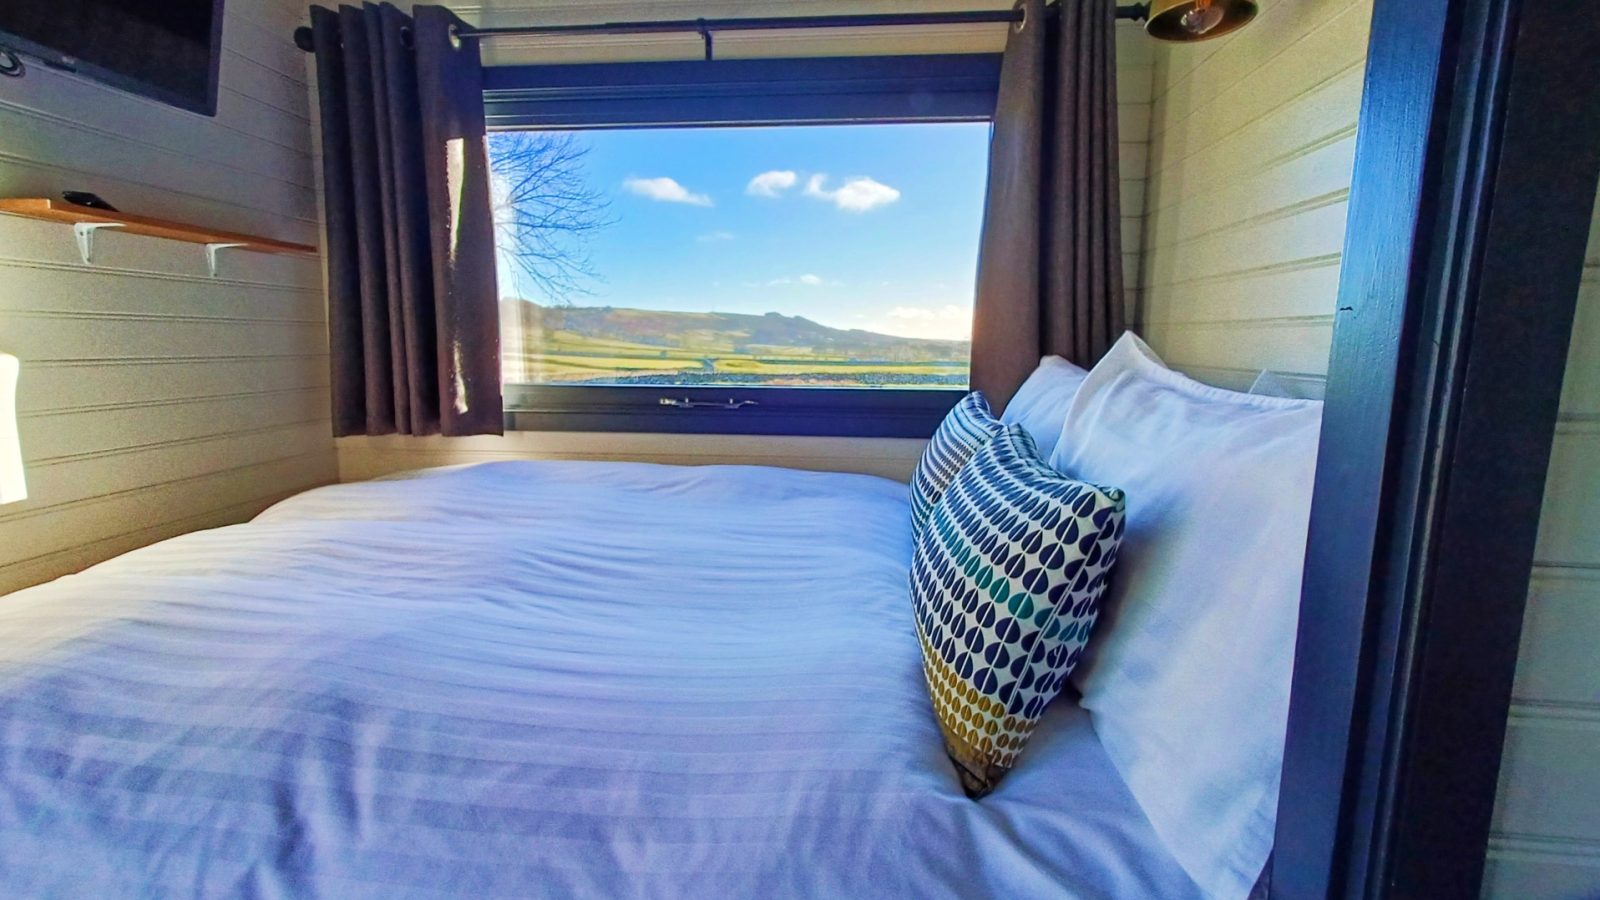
803 256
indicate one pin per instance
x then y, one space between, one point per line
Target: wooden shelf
73 214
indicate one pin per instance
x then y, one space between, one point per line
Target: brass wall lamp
1187 21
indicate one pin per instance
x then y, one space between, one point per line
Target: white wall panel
1251 145
1546 840
155 399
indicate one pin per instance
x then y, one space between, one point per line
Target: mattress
527 679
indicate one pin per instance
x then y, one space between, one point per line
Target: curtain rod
774 23
705 27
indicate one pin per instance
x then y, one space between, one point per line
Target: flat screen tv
165 49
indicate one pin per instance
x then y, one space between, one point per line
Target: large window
804 260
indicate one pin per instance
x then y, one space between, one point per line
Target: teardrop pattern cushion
1006 584
968 426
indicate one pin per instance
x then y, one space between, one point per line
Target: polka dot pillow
965 428
1006 583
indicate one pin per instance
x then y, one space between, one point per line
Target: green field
565 357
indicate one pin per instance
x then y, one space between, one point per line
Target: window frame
851 90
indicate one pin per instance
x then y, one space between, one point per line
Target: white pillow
1040 405
1187 677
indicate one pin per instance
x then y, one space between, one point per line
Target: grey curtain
1050 263
413 321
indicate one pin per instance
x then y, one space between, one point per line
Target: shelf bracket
84 232
211 255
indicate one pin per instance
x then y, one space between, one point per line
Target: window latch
686 403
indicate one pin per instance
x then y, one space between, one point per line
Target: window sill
816 412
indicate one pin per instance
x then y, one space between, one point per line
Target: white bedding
527 679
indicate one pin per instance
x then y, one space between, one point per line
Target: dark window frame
856 90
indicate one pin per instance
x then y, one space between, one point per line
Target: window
721 248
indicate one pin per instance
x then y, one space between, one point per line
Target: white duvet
524 680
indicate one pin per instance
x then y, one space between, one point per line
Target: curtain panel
413 321
1050 260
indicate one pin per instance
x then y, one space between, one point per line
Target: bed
528 679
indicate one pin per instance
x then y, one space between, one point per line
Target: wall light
13 486
1185 21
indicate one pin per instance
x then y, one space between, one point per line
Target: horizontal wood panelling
1569 527
1580 391
49 388
236 114
1262 71
1557 661
90 477
125 522
1544 791
93 291
36 138
1249 155
1546 840
38 178
1298 346
270 87
60 437
1294 289
148 486
54 338
32 243
1318 175
1532 868
1310 229
248 153
1251 145
155 399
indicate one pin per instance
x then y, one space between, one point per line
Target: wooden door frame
1474 183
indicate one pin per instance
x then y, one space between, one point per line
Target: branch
545 210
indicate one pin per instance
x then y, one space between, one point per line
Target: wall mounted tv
165 49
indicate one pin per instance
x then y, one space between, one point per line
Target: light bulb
1202 18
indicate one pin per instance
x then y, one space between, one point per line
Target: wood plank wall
362 457
1252 139
155 400
1546 837
1251 145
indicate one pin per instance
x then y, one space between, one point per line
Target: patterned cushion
965 428
1006 583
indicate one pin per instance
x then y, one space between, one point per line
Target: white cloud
808 279
665 190
771 184
950 322
715 237
858 194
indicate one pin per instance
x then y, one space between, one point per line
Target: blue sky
866 226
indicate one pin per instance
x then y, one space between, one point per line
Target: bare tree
545 210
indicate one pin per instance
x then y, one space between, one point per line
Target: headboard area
1252 138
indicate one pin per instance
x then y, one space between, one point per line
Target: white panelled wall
1251 146
155 400
1546 838
1252 139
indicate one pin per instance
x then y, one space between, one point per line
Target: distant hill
772 334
